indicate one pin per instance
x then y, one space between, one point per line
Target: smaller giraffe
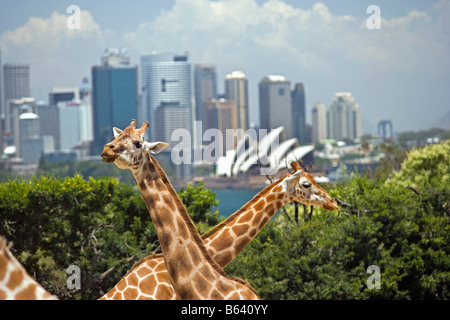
15 282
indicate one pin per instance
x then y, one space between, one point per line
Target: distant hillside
443 121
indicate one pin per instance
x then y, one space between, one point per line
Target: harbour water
231 200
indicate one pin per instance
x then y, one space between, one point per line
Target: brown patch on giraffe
240 244
260 205
223 244
256 220
164 290
148 284
224 287
160 267
223 258
279 204
201 284
141 272
195 254
15 278
216 295
252 233
169 202
118 296
182 229
2 295
133 280
131 294
263 222
29 293
165 240
181 266
245 218
159 185
240 229
280 196
3 266
206 272
122 284
142 185
270 197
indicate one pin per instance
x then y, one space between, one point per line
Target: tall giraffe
15 282
193 274
148 278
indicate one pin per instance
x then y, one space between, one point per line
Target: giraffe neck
187 260
15 282
229 238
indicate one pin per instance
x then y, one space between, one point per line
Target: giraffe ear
116 132
155 147
291 181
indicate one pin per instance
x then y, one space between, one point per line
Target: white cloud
326 51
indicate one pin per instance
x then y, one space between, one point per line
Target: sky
398 72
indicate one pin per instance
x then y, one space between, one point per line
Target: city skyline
394 73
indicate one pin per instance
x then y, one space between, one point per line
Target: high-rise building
236 89
343 118
319 122
16 85
114 97
63 94
275 107
299 113
166 102
221 114
75 124
205 86
30 146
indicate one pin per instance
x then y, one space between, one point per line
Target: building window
281 91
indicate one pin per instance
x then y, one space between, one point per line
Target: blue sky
399 72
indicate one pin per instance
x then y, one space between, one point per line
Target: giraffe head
128 147
302 187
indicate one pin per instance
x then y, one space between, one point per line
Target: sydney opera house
266 154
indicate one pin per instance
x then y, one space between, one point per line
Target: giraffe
15 282
193 274
148 278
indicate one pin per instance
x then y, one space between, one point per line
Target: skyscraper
275 107
16 85
205 88
221 114
319 122
114 96
298 113
166 102
236 89
343 118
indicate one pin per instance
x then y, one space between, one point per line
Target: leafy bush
404 233
100 225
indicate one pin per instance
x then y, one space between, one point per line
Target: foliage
401 225
100 225
404 233
199 202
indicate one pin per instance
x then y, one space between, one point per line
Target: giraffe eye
306 185
138 144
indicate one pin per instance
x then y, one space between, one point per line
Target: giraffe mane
185 216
